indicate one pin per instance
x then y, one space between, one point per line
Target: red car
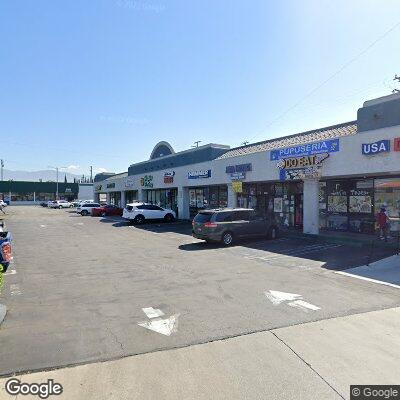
107 210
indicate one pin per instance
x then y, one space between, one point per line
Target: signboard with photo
337 204
278 204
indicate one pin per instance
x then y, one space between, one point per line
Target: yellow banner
237 187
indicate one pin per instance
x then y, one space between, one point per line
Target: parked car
228 225
107 210
50 203
138 213
60 204
5 248
86 208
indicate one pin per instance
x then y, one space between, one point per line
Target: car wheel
139 220
84 212
169 218
273 233
227 238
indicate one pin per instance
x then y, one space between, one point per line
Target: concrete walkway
314 360
386 271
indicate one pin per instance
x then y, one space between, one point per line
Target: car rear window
203 217
224 217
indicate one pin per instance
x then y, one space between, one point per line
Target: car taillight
6 252
210 225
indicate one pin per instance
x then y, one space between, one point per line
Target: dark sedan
107 211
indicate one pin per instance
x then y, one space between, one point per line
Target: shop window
387 194
22 196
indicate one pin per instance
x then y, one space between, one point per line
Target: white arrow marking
294 300
279 297
303 305
152 312
164 326
43 226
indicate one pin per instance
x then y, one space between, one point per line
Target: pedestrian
2 208
383 222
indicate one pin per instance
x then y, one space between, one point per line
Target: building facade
333 178
25 192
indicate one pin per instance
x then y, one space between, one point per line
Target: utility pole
196 144
2 166
91 174
56 168
396 78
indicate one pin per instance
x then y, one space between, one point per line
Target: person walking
2 208
383 222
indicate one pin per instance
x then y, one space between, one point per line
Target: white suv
60 204
86 208
138 213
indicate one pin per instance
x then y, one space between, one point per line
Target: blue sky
100 82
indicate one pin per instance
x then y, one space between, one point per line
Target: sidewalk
385 271
314 360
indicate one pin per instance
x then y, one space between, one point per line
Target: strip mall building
333 178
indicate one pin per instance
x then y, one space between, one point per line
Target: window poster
192 198
360 201
278 204
337 204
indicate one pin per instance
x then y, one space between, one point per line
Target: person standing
2 208
383 222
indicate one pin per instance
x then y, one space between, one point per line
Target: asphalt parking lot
78 286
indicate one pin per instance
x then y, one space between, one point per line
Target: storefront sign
302 162
307 167
68 190
237 187
111 185
383 146
98 187
397 144
199 174
130 183
238 176
326 146
169 177
147 181
231 169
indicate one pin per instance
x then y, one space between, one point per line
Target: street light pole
56 168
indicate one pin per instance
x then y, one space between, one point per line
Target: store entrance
298 210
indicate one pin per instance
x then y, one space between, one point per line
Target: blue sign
231 169
199 174
383 146
326 146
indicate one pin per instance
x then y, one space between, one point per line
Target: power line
324 82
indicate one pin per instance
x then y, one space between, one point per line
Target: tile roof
330 132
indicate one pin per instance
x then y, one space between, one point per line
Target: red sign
397 144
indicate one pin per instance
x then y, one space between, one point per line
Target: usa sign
369 149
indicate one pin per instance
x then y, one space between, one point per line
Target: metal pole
57 183
2 166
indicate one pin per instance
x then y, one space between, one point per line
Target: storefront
115 198
205 197
166 198
352 204
283 200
